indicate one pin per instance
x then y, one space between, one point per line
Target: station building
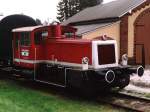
127 21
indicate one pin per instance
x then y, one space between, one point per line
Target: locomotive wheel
124 81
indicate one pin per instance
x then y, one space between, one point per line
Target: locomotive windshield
106 54
37 38
25 39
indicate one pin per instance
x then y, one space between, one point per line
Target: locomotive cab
24 43
30 42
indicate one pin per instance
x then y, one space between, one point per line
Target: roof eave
129 11
110 24
96 21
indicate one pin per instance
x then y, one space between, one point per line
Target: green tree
68 8
89 3
61 11
38 21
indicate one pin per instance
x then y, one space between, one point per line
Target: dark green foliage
89 3
61 13
68 8
38 22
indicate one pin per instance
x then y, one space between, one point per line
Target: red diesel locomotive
55 55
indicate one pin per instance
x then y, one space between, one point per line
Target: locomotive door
16 47
46 72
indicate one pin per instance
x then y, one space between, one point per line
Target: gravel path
140 84
137 89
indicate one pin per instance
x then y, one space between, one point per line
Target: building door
142 36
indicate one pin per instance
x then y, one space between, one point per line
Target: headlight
124 60
85 61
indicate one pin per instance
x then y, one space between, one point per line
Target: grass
147 95
15 97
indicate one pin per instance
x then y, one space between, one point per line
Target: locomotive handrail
35 63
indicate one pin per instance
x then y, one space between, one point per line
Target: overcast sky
42 9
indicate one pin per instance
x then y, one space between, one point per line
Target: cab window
25 39
39 36
16 40
69 34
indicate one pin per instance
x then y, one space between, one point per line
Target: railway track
127 101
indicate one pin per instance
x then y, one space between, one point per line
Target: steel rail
126 101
